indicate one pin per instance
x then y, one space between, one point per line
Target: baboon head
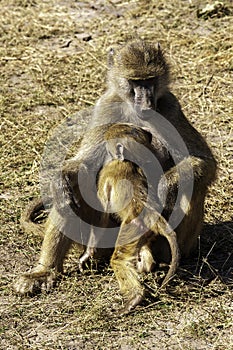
139 74
126 140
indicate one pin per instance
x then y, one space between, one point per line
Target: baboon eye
131 87
131 90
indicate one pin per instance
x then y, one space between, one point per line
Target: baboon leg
190 228
94 239
157 227
145 261
89 251
123 262
163 229
42 277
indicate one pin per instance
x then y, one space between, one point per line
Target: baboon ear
148 134
111 58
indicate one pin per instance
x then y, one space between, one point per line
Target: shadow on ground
208 272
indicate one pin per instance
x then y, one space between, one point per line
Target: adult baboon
138 93
70 209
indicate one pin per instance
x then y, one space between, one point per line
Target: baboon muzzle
144 101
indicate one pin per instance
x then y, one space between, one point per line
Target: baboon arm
55 244
54 248
65 189
199 171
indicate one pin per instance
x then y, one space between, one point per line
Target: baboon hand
163 190
168 185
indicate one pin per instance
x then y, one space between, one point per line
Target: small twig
207 84
228 258
205 259
66 44
199 254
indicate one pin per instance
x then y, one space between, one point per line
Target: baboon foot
35 281
88 254
131 303
82 261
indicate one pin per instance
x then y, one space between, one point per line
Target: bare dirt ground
53 64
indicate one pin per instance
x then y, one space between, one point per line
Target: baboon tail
171 237
33 217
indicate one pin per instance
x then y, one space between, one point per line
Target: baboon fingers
82 260
33 282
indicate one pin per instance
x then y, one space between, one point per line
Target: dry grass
52 65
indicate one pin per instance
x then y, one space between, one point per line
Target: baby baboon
123 190
135 143
130 142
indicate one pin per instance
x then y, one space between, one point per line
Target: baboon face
140 75
143 95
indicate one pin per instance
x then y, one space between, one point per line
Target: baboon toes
82 264
31 283
87 255
131 303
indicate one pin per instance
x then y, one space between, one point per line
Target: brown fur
131 101
118 103
32 218
137 234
